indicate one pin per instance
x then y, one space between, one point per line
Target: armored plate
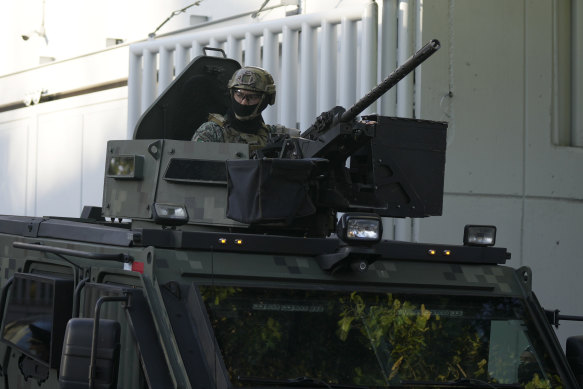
179 171
199 90
182 173
131 196
194 174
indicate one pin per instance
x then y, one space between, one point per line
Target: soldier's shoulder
217 119
209 131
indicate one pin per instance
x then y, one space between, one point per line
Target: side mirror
574 354
77 350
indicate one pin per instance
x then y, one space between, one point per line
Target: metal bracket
204 49
98 305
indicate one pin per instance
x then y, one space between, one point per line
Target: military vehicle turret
208 267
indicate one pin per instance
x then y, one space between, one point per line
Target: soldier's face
244 97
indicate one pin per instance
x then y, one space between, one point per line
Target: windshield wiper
462 382
299 382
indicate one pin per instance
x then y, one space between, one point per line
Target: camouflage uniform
217 129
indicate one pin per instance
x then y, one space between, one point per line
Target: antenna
174 13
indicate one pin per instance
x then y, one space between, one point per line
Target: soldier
251 89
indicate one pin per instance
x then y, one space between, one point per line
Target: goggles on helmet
241 95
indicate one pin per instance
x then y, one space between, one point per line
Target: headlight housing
127 167
360 228
170 214
479 235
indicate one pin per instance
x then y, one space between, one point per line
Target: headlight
360 227
129 167
170 214
479 235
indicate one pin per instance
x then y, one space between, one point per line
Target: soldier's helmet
254 79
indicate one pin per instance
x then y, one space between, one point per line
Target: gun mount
388 166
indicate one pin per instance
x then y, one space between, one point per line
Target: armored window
37 312
352 338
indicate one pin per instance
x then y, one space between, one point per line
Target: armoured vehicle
206 267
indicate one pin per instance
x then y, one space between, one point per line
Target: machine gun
383 165
327 130
338 115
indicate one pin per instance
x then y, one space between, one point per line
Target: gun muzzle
397 75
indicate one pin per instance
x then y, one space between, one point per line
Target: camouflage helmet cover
255 79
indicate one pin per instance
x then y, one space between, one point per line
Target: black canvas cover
270 190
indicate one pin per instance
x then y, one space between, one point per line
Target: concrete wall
502 167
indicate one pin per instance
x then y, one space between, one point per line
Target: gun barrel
397 75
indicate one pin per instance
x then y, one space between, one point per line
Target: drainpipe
308 66
577 70
388 102
388 50
415 223
271 64
347 87
289 60
368 79
327 79
404 51
405 32
134 91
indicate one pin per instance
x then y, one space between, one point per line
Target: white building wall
75 28
53 154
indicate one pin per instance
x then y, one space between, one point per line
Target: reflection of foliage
368 339
399 334
271 334
282 335
216 295
538 383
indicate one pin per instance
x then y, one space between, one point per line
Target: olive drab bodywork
206 268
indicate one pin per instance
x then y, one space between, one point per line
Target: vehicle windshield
374 339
